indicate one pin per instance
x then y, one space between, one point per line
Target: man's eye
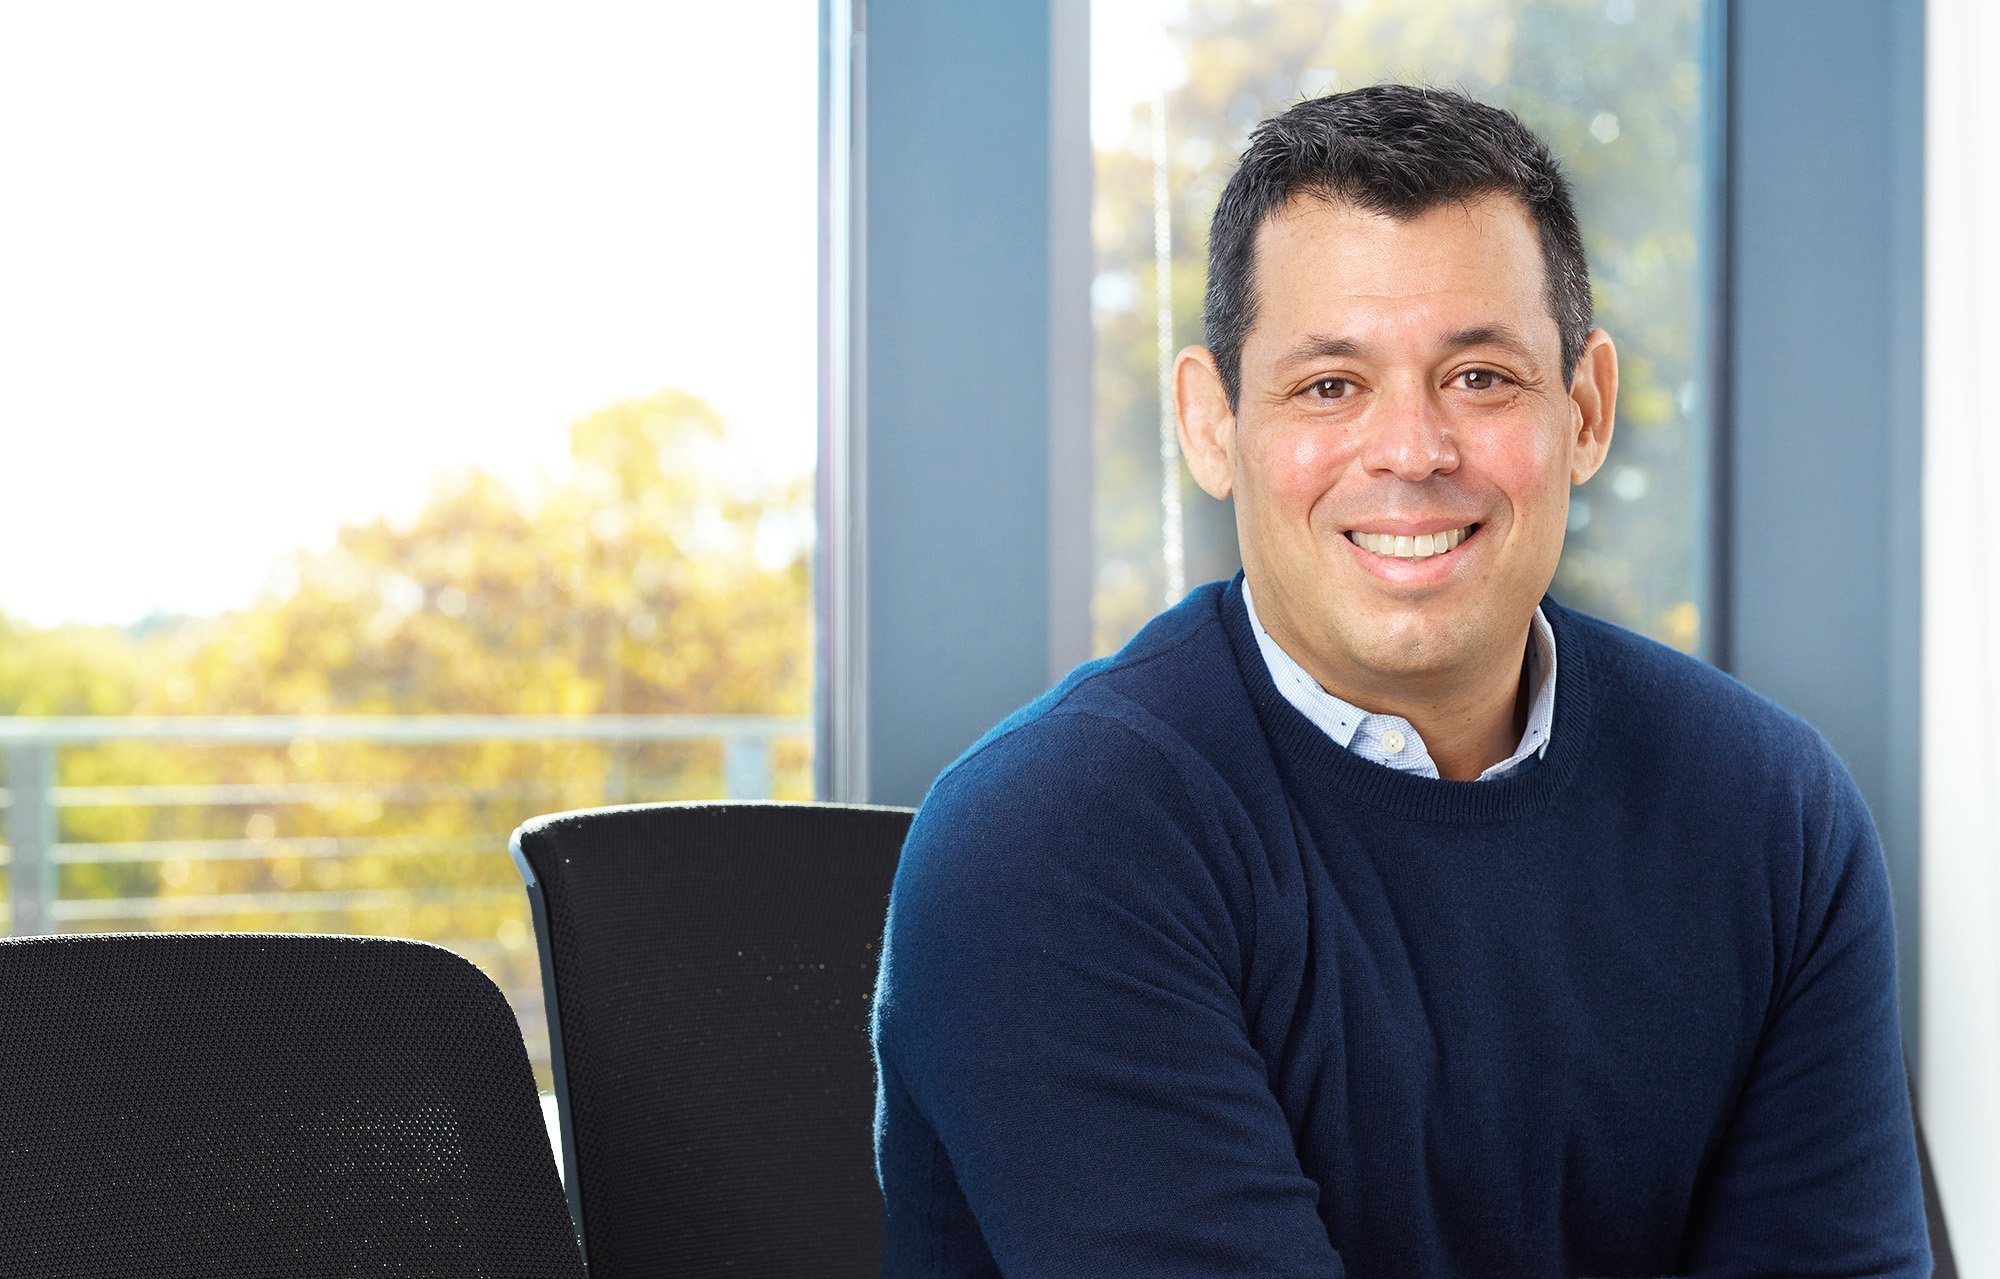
1331 388
1480 379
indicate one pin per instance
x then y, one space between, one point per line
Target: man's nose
1409 435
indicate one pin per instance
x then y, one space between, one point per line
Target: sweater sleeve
1816 1172
1068 1086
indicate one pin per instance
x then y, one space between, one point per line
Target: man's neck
1466 732
1469 720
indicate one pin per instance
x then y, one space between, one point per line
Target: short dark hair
1398 150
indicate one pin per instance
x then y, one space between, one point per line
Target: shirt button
1392 741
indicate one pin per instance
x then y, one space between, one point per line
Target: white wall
1960 1087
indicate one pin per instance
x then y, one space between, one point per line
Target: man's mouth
1398 547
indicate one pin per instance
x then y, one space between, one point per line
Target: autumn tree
661 574
658 578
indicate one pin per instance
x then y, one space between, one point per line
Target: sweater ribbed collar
1317 762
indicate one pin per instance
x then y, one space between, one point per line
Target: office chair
183 1104
708 969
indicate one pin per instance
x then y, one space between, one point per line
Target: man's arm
1816 1173
1060 1005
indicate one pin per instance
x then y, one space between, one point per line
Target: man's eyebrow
1319 346
1488 335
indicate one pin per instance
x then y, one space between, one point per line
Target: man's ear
1207 427
1593 395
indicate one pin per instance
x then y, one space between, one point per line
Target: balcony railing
436 867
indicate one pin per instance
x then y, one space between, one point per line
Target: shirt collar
1389 739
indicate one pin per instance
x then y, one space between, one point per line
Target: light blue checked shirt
1389 739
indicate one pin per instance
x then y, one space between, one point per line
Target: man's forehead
1456 268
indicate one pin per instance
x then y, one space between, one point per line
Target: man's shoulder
1117 709
1682 713
1141 738
1094 791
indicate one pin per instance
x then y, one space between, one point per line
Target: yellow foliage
636 585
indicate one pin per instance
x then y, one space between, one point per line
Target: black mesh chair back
193 1104
707 969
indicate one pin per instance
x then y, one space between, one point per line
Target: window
395 361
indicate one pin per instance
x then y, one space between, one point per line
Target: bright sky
268 268
1132 58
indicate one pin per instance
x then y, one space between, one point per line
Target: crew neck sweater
1173 985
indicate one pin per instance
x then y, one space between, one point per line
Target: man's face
1404 440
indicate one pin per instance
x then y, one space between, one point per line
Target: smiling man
1373 914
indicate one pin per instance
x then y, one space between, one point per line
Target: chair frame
538 909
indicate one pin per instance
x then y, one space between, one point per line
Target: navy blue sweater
1174 985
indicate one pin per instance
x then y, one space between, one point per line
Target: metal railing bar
70 910
429 729
31 802
225 794
236 850
218 794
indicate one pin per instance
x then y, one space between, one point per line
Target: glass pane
1614 86
402 360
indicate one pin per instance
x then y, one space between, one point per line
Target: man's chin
1408 666
1408 647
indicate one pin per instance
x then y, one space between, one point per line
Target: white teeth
1410 548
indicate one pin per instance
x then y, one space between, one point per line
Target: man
1372 913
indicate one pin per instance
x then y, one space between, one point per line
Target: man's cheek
1301 466
1532 475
